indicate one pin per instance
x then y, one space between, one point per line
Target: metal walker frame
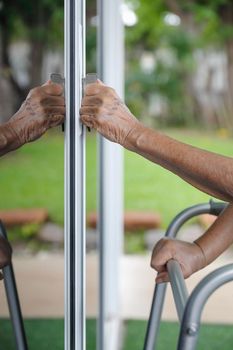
13 302
189 308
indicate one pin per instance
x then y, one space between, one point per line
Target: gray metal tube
110 182
159 291
197 300
13 302
75 222
179 289
155 316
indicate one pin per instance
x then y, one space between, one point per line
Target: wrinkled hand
103 110
5 254
188 255
43 109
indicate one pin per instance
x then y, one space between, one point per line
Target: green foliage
167 79
55 32
40 20
91 64
150 28
29 230
210 17
203 24
134 243
23 233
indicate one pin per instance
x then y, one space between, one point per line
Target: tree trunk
36 61
11 94
229 94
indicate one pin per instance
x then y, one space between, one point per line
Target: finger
160 257
159 261
93 89
53 89
100 82
91 101
159 267
55 111
88 111
47 82
54 101
87 121
162 277
55 120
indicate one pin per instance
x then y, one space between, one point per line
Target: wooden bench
133 220
19 217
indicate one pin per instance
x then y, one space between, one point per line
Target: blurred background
178 79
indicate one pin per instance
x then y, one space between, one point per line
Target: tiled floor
40 284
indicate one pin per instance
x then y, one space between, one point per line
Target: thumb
48 82
99 82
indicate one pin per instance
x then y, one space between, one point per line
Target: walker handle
179 289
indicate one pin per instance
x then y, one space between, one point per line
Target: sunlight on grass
33 177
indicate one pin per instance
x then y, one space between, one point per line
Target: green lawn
33 177
48 334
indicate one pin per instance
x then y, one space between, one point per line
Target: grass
33 177
212 337
48 334
150 187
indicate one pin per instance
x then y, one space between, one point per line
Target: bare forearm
218 237
104 111
43 109
207 171
194 256
8 140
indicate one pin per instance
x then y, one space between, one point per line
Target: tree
41 24
205 24
213 20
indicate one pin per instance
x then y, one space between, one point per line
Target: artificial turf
47 334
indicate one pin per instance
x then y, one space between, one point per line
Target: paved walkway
40 284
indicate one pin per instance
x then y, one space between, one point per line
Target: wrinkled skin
209 172
188 255
5 254
103 110
43 109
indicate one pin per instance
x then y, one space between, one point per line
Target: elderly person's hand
103 110
43 109
5 253
189 255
